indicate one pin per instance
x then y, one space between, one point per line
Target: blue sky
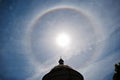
28 29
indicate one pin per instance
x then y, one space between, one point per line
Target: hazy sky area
31 32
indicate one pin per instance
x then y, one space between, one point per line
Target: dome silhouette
63 72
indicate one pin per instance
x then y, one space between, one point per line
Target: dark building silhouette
117 72
63 72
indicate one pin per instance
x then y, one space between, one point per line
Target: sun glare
63 40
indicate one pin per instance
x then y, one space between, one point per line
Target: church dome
63 72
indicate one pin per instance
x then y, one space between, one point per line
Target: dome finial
61 61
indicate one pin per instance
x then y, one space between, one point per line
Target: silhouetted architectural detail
61 61
117 72
63 72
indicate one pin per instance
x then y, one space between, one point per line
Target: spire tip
61 61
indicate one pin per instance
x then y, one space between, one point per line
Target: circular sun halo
63 40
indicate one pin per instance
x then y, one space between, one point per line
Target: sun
63 40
